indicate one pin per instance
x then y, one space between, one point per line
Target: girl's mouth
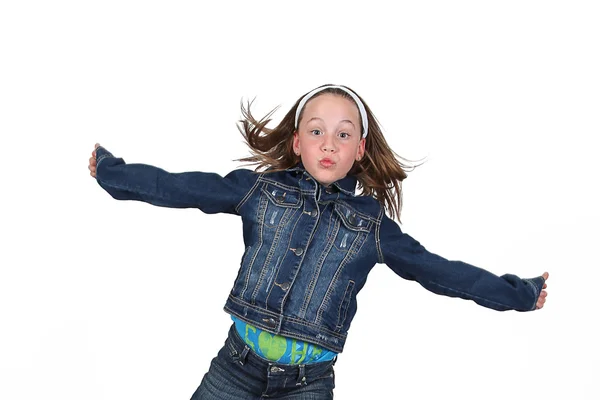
326 163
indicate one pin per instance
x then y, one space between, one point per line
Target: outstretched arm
410 260
209 192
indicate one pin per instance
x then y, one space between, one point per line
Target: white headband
359 104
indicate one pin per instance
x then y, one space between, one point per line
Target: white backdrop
106 299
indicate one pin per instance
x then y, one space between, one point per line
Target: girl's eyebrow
321 119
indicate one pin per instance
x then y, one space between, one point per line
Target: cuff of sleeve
536 285
101 154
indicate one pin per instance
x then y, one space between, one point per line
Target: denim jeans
238 373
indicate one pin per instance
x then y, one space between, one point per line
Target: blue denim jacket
309 248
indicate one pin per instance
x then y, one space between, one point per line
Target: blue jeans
238 373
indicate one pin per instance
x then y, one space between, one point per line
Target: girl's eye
315 132
344 135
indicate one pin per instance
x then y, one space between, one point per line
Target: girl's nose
328 145
327 148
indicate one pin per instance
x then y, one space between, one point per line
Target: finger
545 275
96 146
540 303
545 286
541 299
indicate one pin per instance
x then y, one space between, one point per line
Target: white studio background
107 299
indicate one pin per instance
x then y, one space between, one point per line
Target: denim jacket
309 248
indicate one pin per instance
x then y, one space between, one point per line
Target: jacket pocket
343 310
352 224
351 219
282 197
280 201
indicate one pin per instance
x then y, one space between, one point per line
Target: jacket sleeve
208 192
410 260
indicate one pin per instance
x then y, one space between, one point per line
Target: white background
106 299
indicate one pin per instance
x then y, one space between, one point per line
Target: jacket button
271 322
285 286
314 213
298 251
280 198
352 219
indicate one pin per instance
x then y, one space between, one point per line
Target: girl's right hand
92 165
542 297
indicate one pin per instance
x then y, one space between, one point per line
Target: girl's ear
296 143
360 152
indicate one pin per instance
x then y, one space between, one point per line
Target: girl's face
328 138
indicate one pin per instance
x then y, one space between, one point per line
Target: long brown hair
379 173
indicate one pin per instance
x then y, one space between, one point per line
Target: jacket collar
346 185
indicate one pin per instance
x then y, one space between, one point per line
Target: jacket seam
261 216
272 251
279 184
472 296
347 295
309 241
378 239
247 196
536 294
101 158
357 242
361 214
289 318
278 204
317 273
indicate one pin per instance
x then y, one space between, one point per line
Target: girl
310 242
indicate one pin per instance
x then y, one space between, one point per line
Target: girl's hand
92 166
542 299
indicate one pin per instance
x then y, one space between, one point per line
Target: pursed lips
326 162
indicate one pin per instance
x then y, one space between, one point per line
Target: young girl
310 240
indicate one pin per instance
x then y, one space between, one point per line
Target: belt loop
242 357
301 377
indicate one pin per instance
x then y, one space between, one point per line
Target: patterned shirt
279 348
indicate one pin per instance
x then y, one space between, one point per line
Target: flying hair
379 173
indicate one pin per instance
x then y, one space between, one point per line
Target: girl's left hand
542 299
92 161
